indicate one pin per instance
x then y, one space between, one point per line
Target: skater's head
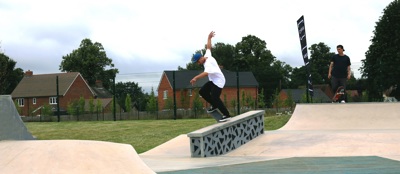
340 49
198 58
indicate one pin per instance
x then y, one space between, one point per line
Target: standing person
339 70
211 91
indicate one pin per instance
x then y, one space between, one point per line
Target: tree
135 92
260 98
9 75
252 55
289 102
382 59
91 105
128 103
99 106
81 105
197 104
319 66
73 107
152 103
91 61
319 61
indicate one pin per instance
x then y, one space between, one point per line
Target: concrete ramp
349 116
314 130
70 156
11 125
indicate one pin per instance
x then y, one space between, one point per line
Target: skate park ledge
221 138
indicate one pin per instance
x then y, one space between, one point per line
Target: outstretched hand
212 34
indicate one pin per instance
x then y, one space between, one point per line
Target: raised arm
211 35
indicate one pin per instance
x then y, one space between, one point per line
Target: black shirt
340 64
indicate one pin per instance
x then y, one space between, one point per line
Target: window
53 100
34 101
165 94
20 102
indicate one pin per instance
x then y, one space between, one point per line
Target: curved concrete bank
69 156
11 125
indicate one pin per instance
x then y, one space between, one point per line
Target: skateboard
339 93
216 114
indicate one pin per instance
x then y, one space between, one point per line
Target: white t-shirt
214 72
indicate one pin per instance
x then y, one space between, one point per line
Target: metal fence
140 115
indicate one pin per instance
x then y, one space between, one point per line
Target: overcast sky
146 37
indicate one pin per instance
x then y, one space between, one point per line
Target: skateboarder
211 91
339 70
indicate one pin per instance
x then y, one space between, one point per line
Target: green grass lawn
143 135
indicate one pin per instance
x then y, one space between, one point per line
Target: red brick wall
78 88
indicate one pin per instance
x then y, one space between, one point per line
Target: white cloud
157 35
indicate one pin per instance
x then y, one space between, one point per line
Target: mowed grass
143 135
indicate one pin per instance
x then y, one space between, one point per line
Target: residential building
35 91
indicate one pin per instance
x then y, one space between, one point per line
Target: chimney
99 83
28 73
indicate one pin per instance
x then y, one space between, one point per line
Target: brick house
34 91
185 92
298 95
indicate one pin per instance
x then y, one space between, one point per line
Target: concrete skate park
319 138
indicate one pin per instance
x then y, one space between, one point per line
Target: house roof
297 95
45 84
182 79
100 91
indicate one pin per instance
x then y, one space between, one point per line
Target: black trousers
336 82
211 93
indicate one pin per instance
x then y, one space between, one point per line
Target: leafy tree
138 97
281 73
252 55
182 99
73 107
298 77
225 53
382 60
319 61
81 105
277 100
91 105
128 103
319 66
261 101
46 110
234 105
169 103
9 75
289 102
91 61
152 103
99 106
197 104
